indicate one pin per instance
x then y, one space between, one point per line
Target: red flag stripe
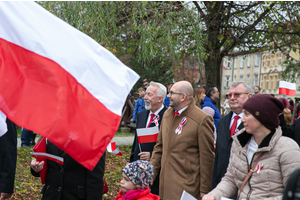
147 138
286 91
113 146
65 103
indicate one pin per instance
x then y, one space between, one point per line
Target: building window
227 82
235 62
271 85
241 77
256 60
248 78
242 63
272 60
255 82
275 82
264 82
228 63
279 58
249 61
267 61
234 78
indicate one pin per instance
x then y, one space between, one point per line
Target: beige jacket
186 160
281 158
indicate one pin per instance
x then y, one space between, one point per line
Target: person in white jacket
262 134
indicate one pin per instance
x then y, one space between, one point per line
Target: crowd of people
249 153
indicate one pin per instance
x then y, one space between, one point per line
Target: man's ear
183 97
160 99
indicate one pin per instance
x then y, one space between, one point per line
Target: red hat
265 108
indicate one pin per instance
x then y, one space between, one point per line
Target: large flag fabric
147 135
287 88
59 82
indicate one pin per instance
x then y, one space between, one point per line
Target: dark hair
291 102
210 90
292 189
258 87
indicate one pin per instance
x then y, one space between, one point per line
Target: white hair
161 91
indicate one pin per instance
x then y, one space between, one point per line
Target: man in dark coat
238 94
71 180
154 100
8 160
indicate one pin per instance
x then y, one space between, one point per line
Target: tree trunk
214 59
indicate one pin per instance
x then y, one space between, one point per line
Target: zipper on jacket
249 168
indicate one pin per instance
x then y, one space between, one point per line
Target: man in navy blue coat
154 104
238 94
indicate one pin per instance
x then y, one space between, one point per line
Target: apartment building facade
258 69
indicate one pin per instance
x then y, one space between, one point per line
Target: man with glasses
238 94
184 149
152 116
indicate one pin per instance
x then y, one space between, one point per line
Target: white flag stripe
3 125
116 151
288 85
66 52
147 131
109 148
61 159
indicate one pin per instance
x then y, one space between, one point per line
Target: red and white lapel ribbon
155 120
259 167
181 124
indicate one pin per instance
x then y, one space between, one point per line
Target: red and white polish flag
59 82
58 159
287 88
147 135
111 148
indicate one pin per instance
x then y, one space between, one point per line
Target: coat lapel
227 123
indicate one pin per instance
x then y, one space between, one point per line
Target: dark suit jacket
8 158
223 147
148 147
71 180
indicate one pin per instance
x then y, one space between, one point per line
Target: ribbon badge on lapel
155 120
181 124
259 167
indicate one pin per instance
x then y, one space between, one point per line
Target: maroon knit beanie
265 108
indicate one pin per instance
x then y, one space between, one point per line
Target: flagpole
140 148
124 159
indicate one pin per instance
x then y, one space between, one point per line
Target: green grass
119 134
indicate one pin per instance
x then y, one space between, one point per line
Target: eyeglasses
236 95
171 93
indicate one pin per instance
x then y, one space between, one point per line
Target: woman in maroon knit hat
262 135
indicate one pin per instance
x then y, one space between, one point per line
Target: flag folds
59 82
111 148
287 88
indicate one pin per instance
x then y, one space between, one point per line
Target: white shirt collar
156 112
181 110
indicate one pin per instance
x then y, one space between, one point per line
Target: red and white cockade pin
181 124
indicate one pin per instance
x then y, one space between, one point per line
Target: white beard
149 106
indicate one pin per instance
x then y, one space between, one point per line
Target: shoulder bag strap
249 174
